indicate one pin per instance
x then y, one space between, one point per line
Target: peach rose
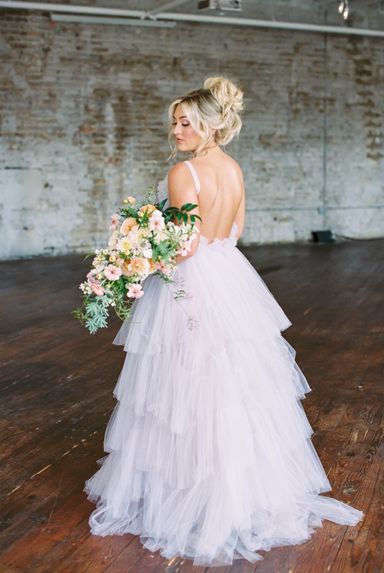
127 225
139 266
125 268
147 209
152 265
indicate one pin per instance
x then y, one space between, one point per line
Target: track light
234 5
344 8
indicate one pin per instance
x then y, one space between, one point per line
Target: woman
209 449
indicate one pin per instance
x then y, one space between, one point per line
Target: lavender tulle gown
209 455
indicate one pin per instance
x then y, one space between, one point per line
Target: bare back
221 195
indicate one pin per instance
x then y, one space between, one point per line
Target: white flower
97 270
160 236
113 239
85 288
124 245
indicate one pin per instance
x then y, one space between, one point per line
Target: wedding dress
209 452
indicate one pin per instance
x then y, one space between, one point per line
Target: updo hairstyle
213 111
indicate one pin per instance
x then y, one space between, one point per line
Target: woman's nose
176 129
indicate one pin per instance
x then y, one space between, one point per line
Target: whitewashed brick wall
83 123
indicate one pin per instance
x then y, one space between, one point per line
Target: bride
209 452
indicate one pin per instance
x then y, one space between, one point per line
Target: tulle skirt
209 452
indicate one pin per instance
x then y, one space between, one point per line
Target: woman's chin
183 148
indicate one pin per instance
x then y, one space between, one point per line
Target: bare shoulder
178 173
179 177
181 186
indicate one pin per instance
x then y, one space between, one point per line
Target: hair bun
213 112
229 96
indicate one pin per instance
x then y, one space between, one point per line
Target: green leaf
161 204
188 206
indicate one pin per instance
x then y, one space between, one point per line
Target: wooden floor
56 389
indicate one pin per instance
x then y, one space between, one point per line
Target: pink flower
112 273
135 291
91 278
164 268
188 244
115 219
97 289
156 223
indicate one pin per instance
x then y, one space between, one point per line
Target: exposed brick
83 123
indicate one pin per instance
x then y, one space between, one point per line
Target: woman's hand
181 258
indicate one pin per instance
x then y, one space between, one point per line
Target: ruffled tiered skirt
209 455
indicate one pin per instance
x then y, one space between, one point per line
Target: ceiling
366 14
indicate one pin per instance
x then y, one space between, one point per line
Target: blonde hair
213 111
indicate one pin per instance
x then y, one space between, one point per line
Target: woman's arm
181 189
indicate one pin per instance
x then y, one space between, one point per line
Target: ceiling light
232 5
344 8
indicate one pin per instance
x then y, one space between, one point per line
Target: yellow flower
124 245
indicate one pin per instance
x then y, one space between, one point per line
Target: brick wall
83 123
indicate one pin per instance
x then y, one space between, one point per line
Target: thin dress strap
194 175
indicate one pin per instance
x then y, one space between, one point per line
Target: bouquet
144 240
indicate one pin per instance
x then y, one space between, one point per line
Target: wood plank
57 383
